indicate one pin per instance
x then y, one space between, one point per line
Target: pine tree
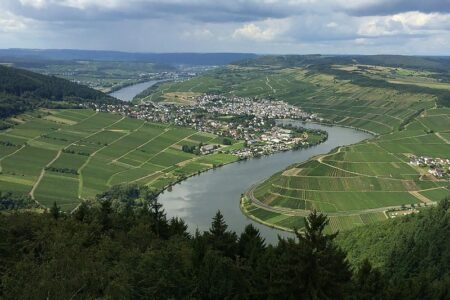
105 214
55 211
82 211
314 267
218 226
157 214
220 238
369 282
250 243
178 227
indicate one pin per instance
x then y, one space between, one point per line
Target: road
305 213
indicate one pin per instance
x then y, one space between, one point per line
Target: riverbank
197 199
127 93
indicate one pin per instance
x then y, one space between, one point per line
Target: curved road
305 213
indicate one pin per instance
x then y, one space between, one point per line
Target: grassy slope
370 175
104 149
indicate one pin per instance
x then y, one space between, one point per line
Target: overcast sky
257 26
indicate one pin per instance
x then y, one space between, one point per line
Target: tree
178 227
220 238
227 141
314 267
251 244
81 212
369 282
55 211
157 214
105 212
219 278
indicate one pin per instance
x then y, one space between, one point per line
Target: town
251 120
438 167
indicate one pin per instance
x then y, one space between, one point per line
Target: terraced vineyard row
70 155
381 177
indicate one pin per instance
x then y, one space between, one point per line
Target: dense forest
122 246
22 90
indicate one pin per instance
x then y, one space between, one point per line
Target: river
198 198
127 93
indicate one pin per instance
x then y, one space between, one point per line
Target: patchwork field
335 97
68 155
356 184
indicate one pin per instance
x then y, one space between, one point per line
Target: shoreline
243 198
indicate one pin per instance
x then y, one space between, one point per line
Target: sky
410 27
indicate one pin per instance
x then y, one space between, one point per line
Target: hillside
87 152
22 90
357 184
441 64
161 58
124 246
412 251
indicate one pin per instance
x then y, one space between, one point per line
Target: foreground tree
312 267
55 211
220 238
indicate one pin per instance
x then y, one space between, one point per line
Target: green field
97 150
354 184
335 98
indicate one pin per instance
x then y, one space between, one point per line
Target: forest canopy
22 90
123 246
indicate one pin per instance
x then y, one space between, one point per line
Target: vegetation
392 97
227 141
87 152
123 246
22 90
107 76
410 251
353 181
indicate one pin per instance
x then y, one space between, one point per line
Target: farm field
337 99
69 155
356 184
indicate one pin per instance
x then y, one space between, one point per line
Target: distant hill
441 63
162 58
22 90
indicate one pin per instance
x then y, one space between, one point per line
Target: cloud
389 7
412 23
234 25
268 30
202 10
11 23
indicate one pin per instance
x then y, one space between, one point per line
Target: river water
128 93
197 199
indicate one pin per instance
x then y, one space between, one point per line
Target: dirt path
268 84
80 185
11 154
442 138
422 198
36 184
305 213
115 160
148 160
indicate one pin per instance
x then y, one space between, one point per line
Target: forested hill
438 63
123 246
22 90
